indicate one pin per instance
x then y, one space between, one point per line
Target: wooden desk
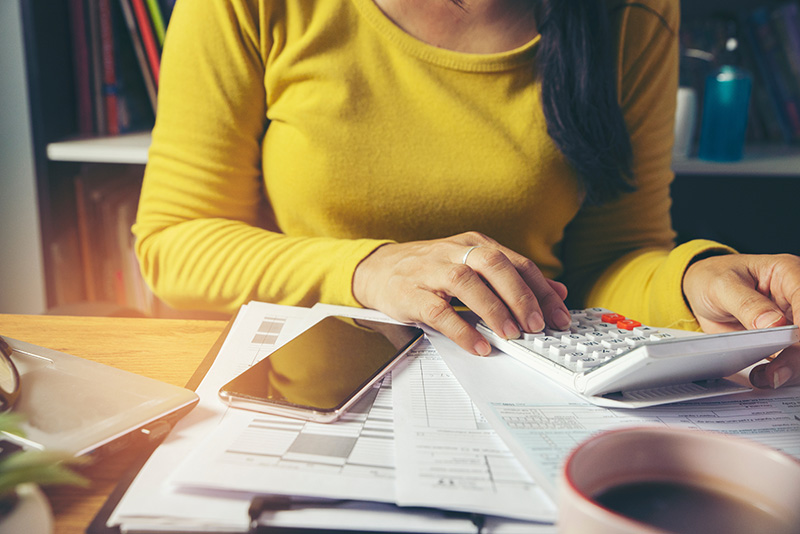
165 349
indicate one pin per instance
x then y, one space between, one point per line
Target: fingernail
510 330
781 376
535 322
482 348
561 319
768 319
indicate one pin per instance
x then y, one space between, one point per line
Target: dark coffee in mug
687 508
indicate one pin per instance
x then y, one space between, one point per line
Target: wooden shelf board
126 149
780 160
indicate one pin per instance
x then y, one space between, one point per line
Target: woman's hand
414 282
739 291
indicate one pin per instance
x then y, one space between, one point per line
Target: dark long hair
577 72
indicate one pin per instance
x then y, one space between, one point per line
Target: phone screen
322 370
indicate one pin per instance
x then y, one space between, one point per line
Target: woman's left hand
740 291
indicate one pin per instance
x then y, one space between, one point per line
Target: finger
782 371
509 302
559 288
473 289
546 297
550 295
438 314
749 307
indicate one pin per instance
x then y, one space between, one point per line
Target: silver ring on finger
466 254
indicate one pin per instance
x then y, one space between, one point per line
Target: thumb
751 308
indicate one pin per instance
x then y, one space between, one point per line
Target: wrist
692 268
361 281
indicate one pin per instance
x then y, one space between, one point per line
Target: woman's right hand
415 282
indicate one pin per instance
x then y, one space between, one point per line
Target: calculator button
612 317
635 341
645 330
581 329
661 336
542 343
605 327
572 357
589 346
597 336
590 320
614 344
559 349
619 333
556 333
572 339
530 336
628 324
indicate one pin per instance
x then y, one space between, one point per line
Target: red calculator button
612 317
628 324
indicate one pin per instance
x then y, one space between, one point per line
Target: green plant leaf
39 467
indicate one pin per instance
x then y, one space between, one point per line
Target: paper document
542 422
231 455
151 503
548 432
447 453
354 458
259 453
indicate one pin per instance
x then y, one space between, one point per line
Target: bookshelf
709 198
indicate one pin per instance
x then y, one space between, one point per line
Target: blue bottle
725 109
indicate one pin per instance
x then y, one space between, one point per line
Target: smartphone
322 372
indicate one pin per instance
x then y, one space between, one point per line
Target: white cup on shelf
685 122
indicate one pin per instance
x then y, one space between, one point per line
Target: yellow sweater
293 138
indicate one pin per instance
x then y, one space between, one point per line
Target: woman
397 154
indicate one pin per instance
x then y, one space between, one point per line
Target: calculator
616 361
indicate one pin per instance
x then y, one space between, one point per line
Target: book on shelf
108 68
116 52
144 25
157 18
135 104
138 47
82 67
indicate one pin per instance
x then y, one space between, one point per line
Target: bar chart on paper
361 445
352 459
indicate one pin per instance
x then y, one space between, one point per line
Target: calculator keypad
595 336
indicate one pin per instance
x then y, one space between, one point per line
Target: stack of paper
449 435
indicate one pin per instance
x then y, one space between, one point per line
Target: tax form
204 475
542 422
449 453
376 452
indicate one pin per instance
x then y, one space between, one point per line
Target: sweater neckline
493 62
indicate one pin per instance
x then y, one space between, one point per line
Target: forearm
647 284
219 264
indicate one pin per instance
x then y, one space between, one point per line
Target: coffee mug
651 480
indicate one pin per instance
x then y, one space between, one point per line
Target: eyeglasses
9 377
